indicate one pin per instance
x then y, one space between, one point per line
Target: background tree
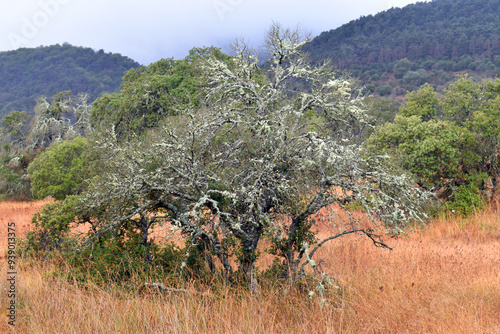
475 105
450 142
380 111
51 122
148 94
13 131
61 170
401 67
439 153
65 117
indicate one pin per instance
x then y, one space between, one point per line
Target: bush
123 262
14 184
384 90
401 67
51 229
466 200
60 170
468 197
416 78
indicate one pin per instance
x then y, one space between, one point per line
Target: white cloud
152 29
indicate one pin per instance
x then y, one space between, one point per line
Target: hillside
401 48
27 74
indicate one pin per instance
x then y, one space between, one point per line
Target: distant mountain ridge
391 52
28 73
433 40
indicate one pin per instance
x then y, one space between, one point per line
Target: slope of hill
26 74
402 48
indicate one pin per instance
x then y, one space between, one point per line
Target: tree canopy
450 142
61 170
148 94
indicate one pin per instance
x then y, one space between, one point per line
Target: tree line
30 73
438 38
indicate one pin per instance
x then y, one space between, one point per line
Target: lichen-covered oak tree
256 162
64 118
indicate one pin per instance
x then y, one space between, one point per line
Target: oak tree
255 162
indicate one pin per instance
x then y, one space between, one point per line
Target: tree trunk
144 227
249 248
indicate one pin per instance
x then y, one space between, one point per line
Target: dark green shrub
384 90
466 200
60 170
123 262
51 229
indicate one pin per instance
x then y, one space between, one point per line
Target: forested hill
422 42
26 74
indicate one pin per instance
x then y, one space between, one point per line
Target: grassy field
444 279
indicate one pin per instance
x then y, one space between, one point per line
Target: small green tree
401 67
439 153
423 102
415 78
61 170
475 105
50 228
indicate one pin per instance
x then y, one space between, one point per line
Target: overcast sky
149 30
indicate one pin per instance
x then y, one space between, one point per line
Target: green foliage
13 132
58 107
30 73
121 260
451 143
14 183
434 151
303 234
167 87
384 90
416 44
61 170
423 102
51 227
402 67
475 105
14 122
466 200
415 78
381 110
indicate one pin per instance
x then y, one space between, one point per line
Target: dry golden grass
20 213
444 279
